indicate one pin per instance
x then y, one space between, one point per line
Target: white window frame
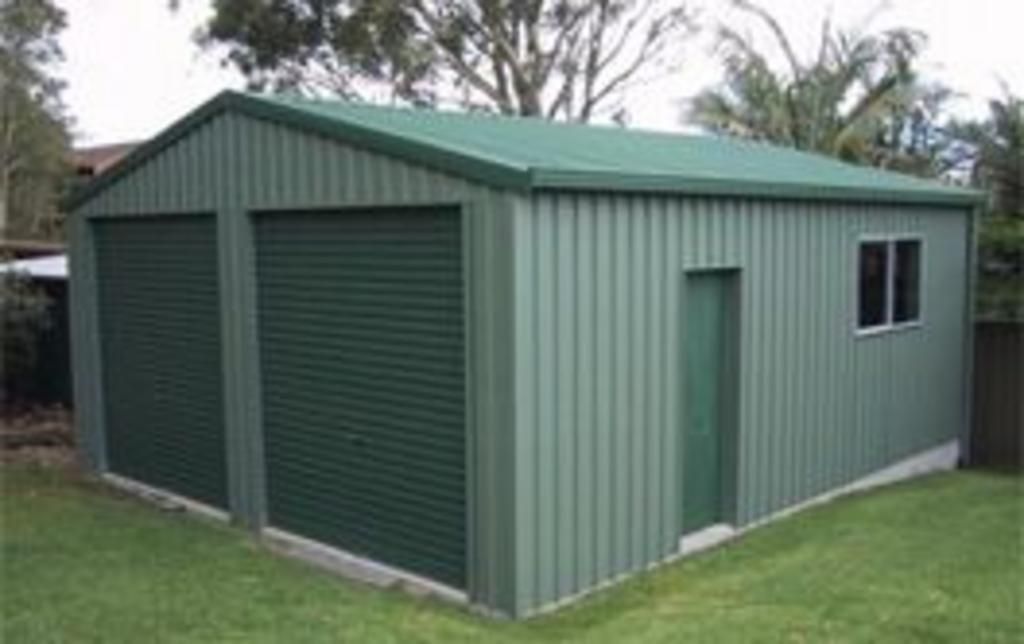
889 325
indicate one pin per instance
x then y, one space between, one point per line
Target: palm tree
859 98
993 152
994 148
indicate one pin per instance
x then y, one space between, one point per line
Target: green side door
362 358
706 335
159 316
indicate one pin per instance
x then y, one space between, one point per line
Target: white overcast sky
132 67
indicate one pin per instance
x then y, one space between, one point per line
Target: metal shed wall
232 165
598 308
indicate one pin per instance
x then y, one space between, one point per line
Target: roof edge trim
144 152
599 181
432 156
473 166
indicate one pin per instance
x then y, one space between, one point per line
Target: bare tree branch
650 49
467 72
553 58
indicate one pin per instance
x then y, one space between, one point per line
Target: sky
133 68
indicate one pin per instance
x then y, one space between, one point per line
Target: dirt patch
41 435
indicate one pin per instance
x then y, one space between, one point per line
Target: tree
994 150
24 315
993 153
858 98
550 58
33 130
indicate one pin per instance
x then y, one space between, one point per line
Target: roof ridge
455 113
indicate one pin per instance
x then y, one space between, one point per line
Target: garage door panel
412 437
368 402
362 355
393 382
393 470
160 330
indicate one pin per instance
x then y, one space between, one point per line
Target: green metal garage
505 359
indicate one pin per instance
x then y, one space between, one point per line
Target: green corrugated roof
527 153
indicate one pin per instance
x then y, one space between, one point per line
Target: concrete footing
164 499
356 567
941 458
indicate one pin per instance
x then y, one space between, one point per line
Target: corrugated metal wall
598 312
234 164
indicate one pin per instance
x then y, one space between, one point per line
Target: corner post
487 230
971 254
240 368
86 354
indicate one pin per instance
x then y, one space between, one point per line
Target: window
907 282
889 284
874 276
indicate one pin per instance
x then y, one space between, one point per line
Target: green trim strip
613 182
486 171
146 151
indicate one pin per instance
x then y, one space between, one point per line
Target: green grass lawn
936 560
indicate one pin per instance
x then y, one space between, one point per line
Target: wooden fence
997 439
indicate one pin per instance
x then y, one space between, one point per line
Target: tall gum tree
33 126
556 59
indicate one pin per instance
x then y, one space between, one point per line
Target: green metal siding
234 164
363 358
159 324
598 367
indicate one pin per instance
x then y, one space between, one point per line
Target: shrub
24 315
1001 268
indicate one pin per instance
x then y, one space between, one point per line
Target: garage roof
529 153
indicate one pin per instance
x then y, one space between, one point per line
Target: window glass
907 282
874 272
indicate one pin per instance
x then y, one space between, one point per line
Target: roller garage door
361 335
160 328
